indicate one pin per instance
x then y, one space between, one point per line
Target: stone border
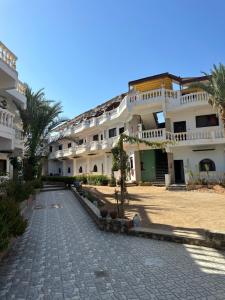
209 239
106 224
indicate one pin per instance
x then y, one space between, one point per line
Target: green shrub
19 190
37 184
12 224
85 179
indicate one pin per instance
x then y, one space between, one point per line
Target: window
95 137
121 130
80 169
131 163
68 170
50 149
69 145
112 132
80 142
60 147
95 168
59 170
101 137
207 120
159 119
206 165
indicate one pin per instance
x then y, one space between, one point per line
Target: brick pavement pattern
63 255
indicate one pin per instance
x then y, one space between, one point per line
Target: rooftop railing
7 56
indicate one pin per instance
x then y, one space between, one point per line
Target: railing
197 135
161 134
21 88
194 97
7 56
18 134
152 134
173 99
6 118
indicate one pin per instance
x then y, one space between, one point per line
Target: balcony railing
7 56
21 88
6 118
184 137
172 99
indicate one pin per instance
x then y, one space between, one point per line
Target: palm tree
120 161
39 117
215 87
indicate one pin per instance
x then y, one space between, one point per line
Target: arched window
206 165
95 169
80 170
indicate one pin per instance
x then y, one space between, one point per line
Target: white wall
191 158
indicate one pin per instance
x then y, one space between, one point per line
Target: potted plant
103 213
113 214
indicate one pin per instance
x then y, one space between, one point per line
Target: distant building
157 108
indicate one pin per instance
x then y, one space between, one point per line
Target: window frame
207 121
210 162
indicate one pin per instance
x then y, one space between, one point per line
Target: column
74 167
171 166
88 165
106 171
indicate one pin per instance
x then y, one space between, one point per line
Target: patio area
159 208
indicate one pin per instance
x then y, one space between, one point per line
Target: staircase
53 187
177 187
161 166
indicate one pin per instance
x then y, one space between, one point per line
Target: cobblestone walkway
63 255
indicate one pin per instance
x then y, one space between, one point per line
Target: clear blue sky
85 52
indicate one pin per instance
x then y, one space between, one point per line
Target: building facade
12 93
159 108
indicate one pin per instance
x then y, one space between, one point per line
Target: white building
157 108
11 91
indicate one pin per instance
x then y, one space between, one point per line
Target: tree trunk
123 178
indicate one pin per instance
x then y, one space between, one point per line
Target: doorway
179 171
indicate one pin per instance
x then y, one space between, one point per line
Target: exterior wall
134 110
192 158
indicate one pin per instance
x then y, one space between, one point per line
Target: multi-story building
163 107
12 93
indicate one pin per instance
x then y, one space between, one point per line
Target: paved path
63 255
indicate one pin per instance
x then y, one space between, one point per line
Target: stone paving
63 255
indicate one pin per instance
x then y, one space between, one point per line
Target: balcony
195 137
18 94
94 146
8 72
18 138
6 124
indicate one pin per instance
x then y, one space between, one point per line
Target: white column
74 167
106 164
88 165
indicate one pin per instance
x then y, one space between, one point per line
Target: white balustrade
7 56
6 118
153 134
18 134
21 88
182 136
194 97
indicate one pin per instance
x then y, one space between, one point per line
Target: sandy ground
186 209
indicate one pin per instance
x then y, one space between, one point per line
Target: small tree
121 162
39 117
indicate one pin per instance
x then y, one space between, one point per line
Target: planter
103 213
113 214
